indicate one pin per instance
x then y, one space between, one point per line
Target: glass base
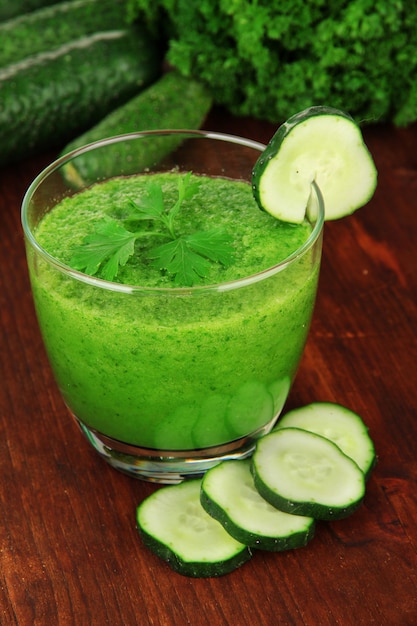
167 466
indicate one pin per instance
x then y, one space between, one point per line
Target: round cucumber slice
174 525
306 474
341 425
249 408
319 144
229 495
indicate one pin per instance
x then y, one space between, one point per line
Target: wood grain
69 551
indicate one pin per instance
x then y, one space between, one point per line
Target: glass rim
128 288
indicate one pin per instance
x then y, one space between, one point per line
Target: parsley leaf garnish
181 261
107 249
187 257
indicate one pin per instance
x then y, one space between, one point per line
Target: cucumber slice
339 424
250 407
174 525
303 473
229 495
319 144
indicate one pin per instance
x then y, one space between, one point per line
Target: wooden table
69 550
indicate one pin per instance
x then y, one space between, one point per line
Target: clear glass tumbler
167 382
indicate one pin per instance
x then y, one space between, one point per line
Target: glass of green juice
168 376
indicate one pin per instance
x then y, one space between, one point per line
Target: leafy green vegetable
269 59
108 248
152 206
187 257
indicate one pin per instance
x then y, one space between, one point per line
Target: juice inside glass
166 380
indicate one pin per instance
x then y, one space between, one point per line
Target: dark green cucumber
174 525
172 102
306 474
51 97
11 8
52 26
229 495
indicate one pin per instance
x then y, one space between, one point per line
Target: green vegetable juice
156 365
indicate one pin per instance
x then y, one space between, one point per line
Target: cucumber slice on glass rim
341 425
173 524
320 144
302 473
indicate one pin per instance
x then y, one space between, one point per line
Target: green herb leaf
213 244
187 258
151 206
186 190
107 249
178 259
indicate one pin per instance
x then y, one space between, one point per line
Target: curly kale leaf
271 59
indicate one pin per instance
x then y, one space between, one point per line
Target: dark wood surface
69 550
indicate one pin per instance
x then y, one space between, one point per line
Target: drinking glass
166 382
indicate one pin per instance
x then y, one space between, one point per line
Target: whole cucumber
48 99
11 8
51 26
172 102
